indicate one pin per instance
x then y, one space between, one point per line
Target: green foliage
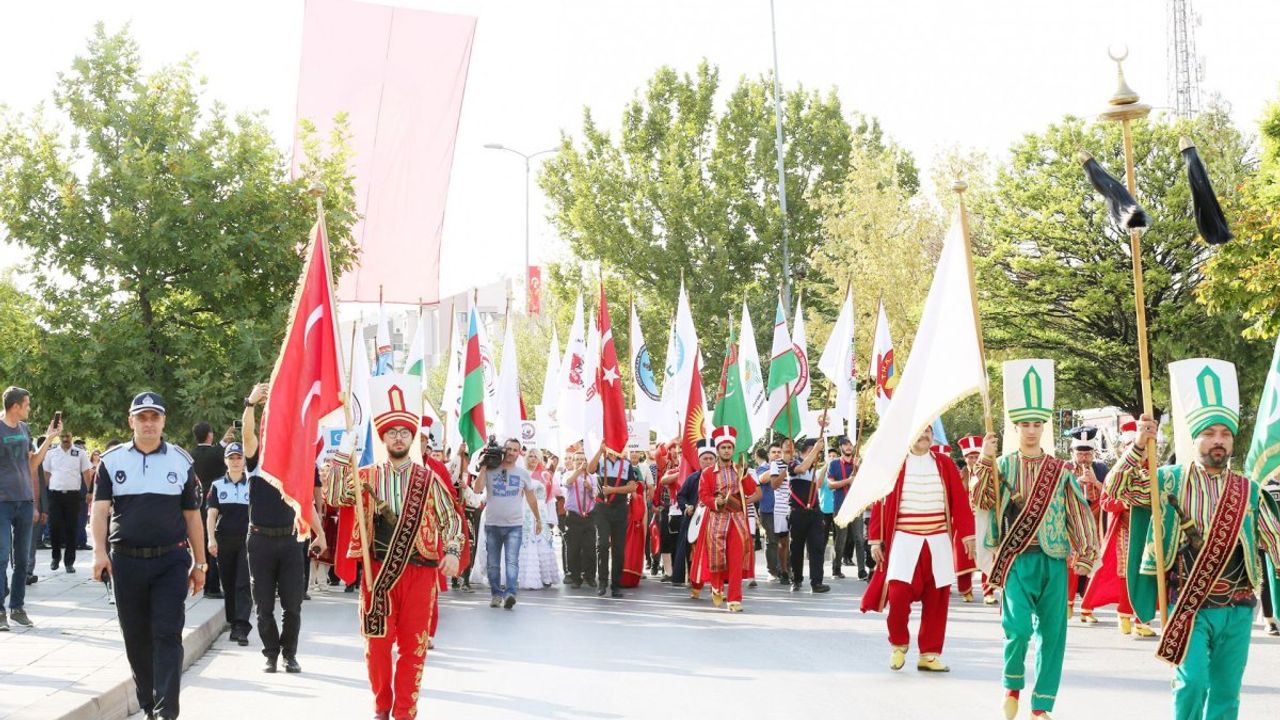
1242 278
166 238
688 190
1055 274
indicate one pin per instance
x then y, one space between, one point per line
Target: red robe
1107 586
884 523
700 555
633 550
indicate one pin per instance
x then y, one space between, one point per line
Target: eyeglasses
399 433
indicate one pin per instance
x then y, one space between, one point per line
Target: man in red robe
914 533
971 449
410 534
725 549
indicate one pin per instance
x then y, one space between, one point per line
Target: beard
397 454
1209 461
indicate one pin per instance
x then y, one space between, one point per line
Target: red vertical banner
533 282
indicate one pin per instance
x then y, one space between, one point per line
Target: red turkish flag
609 383
306 385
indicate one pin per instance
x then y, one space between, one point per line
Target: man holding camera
506 488
411 532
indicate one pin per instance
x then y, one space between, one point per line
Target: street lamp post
527 157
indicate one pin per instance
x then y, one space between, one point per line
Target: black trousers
611 540
808 532
473 517
212 580
237 601
275 565
151 598
680 560
580 547
64 519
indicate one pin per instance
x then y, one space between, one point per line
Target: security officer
276 562
228 503
147 511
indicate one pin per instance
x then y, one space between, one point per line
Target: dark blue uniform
149 492
231 500
276 565
687 497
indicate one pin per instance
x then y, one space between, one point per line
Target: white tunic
923 495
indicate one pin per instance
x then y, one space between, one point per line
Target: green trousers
1035 602
1207 683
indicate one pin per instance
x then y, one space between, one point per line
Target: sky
937 73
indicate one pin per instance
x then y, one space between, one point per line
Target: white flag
593 414
882 363
571 402
645 386
840 366
507 424
382 348
752 376
945 367
361 405
451 403
679 371
416 362
802 388
551 379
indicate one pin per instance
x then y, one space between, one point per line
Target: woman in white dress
538 566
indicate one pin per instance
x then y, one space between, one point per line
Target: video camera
492 454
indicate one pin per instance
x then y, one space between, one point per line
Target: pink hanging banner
399 75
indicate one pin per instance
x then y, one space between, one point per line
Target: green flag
784 371
1263 461
731 403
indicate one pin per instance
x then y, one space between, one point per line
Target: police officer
276 562
228 503
146 510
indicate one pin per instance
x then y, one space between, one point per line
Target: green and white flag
1263 461
784 372
731 403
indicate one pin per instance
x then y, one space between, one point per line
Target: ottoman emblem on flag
576 366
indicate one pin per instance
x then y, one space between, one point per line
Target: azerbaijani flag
471 423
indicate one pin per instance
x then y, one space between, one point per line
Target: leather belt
276 532
146 552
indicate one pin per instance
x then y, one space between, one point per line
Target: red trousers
964 583
413 601
933 607
733 574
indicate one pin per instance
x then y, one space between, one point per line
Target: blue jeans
498 540
15 542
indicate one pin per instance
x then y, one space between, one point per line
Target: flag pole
1124 108
959 187
317 191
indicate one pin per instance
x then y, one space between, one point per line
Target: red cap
971 444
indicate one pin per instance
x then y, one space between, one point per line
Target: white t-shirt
65 468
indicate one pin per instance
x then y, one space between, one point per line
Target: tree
1241 279
166 239
687 191
1055 273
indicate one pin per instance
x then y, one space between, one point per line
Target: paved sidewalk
72 663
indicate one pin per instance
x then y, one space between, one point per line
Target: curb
119 697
